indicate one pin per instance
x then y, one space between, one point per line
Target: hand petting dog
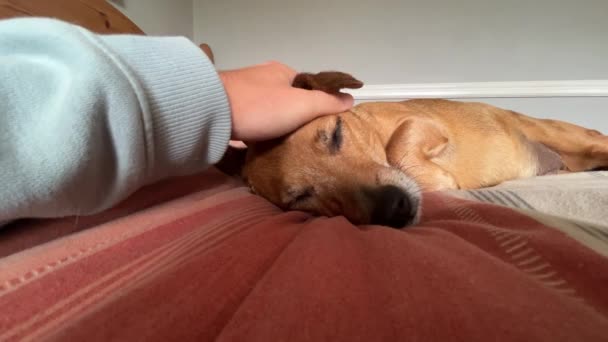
265 105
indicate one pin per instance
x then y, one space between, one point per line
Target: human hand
265 105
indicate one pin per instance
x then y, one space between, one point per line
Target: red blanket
221 264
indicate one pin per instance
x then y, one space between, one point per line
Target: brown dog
370 163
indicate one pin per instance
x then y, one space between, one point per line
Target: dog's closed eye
298 197
336 137
332 142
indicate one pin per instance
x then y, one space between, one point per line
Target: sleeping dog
371 163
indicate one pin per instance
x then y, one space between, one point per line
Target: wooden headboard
96 15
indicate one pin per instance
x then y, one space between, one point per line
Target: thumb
322 103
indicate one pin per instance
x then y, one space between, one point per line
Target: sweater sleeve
87 119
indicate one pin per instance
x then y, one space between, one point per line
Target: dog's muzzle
392 207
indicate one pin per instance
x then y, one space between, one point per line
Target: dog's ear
327 81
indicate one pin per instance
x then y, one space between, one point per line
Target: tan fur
430 144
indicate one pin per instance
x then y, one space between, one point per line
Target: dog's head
335 165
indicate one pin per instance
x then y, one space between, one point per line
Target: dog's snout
392 207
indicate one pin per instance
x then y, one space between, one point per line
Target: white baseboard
396 92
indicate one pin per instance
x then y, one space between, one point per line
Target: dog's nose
392 207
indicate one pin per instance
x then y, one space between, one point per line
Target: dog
371 163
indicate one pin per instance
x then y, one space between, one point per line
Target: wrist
184 104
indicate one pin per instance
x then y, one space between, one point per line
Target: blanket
219 263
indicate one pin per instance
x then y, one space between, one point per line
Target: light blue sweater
86 119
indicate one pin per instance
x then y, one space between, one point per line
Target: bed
201 258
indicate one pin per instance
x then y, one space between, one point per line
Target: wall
413 41
409 41
584 111
160 17
425 41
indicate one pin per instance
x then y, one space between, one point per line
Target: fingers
307 105
237 144
282 69
321 103
207 50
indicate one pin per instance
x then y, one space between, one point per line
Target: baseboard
390 92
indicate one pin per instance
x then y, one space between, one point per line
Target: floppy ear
327 81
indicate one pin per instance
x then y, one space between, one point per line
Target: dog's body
369 163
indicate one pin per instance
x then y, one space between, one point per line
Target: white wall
588 112
413 41
424 41
407 41
159 17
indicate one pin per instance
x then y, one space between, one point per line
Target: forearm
85 120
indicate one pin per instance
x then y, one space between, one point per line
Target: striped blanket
202 259
576 203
